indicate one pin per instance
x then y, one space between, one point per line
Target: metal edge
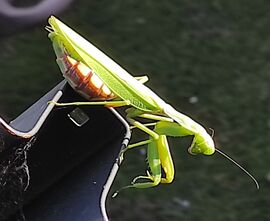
39 123
115 167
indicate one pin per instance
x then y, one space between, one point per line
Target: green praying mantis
75 54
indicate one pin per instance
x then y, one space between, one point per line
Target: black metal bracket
71 154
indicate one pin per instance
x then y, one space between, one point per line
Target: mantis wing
114 76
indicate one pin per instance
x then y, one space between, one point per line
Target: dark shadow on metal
14 19
71 167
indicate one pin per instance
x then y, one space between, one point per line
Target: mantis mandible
103 82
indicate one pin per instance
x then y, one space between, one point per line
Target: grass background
215 51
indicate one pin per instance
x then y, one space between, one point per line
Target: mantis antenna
238 165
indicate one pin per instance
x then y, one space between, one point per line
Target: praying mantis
103 82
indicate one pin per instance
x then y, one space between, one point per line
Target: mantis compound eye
197 149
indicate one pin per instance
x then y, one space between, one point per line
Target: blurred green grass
216 51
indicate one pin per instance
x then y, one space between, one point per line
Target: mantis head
205 145
202 144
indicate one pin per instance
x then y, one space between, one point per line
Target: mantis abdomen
84 80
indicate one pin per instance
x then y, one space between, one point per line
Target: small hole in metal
78 117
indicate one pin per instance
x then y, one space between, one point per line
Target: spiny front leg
158 140
164 156
154 176
165 159
158 156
